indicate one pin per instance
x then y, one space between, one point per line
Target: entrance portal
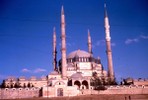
85 83
77 83
60 92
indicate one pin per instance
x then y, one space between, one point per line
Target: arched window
85 83
69 83
77 83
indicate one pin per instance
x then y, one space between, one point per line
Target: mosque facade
76 70
73 72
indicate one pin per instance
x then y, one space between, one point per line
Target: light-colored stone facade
142 82
73 74
12 93
25 82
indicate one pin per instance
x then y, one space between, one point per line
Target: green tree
3 85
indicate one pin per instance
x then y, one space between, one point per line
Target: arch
60 92
85 83
77 83
69 83
143 86
59 83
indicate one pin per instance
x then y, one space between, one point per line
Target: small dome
78 53
129 79
54 73
77 75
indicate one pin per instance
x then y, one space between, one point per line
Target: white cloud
38 70
68 36
129 41
100 42
135 40
113 44
143 37
25 70
68 44
59 44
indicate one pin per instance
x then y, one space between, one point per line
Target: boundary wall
12 93
118 90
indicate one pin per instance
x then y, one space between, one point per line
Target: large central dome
79 53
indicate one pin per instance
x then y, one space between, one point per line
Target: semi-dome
79 53
54 73
77 75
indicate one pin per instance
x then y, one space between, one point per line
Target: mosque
73 72
76 69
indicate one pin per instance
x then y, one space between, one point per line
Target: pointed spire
89 43
63 44
105 10
106 24
62 17
54 50
108 45
54 29
88 33
62 10
54 34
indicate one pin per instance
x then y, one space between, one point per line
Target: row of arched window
83 59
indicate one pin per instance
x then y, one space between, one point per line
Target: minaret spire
89 43
54 50
63 44
62 11
108 45
105 10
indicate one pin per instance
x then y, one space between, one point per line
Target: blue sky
26 28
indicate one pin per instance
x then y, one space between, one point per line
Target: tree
29 85
17 85
128 81
110 81
11 86
3 85
24 85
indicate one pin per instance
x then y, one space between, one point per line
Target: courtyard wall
12 93
118 90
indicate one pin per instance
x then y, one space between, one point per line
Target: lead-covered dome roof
79 53
77 75
54 73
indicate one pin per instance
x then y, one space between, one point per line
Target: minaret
108 45
54 50
63 44
89 43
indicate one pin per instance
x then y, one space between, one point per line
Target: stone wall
12 93
52 91
118 90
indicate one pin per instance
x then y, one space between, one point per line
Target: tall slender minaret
54 50
89 43
108 45
63 40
